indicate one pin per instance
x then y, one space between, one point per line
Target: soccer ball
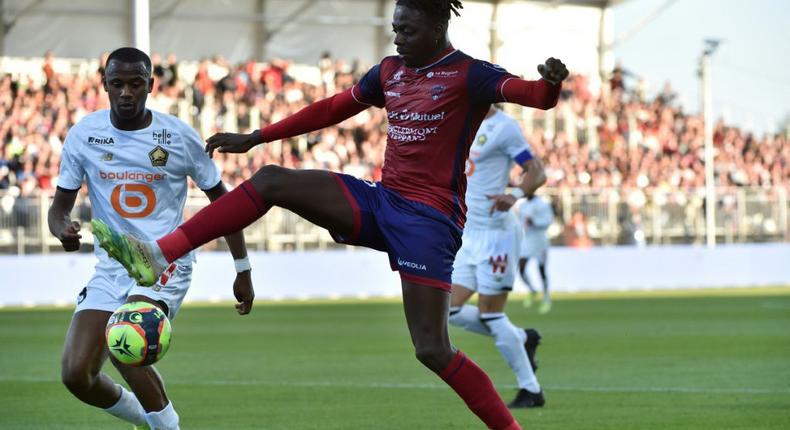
138 334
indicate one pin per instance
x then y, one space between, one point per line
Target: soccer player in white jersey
135 162
485 263
535 216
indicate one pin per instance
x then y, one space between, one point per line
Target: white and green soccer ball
138 334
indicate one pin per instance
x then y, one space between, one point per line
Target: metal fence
600 217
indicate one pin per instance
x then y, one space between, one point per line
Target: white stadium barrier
57 279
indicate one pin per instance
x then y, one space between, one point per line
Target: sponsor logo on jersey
411 265
409 134
106 156
100 140
131 176
162 137
133 200
443 74
158 156
392 94
405 115
437 91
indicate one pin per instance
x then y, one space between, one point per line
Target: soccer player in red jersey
435 97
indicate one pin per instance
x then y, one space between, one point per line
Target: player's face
417 36
127 85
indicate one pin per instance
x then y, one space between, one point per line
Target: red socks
476 389
226 215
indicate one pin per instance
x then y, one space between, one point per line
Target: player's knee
434 357
76 378
270 180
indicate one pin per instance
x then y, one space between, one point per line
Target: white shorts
534 251
487 262
107 291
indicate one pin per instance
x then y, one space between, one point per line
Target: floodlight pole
707 114
141 25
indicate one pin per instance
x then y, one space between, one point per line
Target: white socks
510 339
166 419
128 408
468 317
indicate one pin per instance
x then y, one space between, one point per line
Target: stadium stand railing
583 218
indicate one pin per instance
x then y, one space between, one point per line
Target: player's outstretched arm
540 94
60 222
316 116
242 286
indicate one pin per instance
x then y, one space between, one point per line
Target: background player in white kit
535 216
485 263
135 162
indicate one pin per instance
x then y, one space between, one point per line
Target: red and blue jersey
434 113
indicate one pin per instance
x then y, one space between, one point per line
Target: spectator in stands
621 140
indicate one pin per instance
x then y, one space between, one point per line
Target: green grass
688 361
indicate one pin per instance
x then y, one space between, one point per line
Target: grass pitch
687 361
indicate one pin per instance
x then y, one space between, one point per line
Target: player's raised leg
426 311
84 354
313 194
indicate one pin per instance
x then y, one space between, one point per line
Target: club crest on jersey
106 156
100 140
158 156
437 91
162 137
482 139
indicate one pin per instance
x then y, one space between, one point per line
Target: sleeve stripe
502 88
523 157
355 96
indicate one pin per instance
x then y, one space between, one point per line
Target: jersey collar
438 59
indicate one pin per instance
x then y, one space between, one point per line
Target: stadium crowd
640 142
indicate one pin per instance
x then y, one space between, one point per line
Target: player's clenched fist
70 237
553 71
232 142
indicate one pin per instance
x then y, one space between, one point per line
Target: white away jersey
541 216
137 180
497 144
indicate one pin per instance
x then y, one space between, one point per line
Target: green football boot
134 255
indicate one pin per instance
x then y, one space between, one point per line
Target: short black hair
127 54
436 9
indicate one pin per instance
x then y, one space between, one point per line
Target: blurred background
625 149
668 170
